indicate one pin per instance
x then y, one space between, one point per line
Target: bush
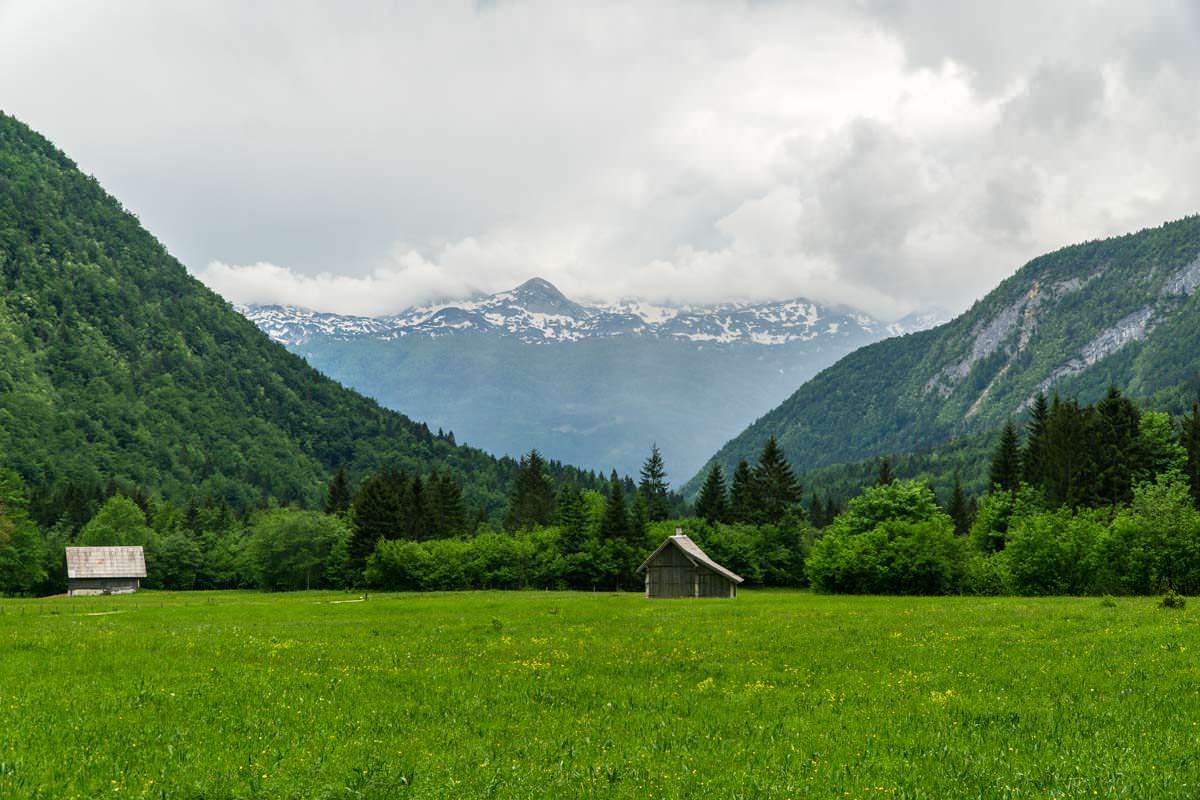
987 575
896 557
1172 600
1053 552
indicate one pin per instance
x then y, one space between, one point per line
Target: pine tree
532 500
885 472
773 484
1189 437
1033 457
959 510
445 511
1005 473
639 519
653 486
741 494
713 503
337 501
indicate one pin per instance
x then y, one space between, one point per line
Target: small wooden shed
105 570
679 568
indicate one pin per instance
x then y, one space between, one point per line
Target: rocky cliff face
1121 311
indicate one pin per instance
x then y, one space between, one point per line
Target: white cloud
889 153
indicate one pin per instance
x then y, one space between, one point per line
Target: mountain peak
539 286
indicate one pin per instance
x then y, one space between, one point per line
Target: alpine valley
589 384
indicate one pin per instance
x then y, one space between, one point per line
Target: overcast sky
361 157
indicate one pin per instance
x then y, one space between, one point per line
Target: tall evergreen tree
639 519
959 510
337 500
885 472
614 525
712 505
571 517
532 500
653 486
1071 444
378 514
1005 473
1189 437
1117 421
774 486
1033 457
446 512
741 494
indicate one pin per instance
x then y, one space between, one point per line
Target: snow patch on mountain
537 312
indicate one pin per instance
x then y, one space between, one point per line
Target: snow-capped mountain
588 383
537 312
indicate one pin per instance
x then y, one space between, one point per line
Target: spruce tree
532 500
1005 473
639 519
377 515
445 511
614 525
885 472
572 519
1189 437
959 510
653 486
337 500
741 494
1117 420
773 484
1033 457
1071 446
713 503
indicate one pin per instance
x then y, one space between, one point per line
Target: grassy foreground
229 695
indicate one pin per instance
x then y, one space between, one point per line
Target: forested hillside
1121 311
118 367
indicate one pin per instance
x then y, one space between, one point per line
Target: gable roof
106 562
694 554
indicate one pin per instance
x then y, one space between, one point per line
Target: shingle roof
106 562
694 554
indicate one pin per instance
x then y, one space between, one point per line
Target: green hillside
116 365
1123 310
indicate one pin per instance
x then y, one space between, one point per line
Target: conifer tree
572 519
1189 437
1005 473
445 511
1070 471
1117 421
885 472
337 501
1033 457
639 519
773 484
959 510
653 486
532 500
377 515
713 503
614 525
741 494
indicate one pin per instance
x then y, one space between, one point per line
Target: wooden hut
104 570
679 568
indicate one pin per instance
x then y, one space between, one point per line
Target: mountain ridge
589 384
1121 310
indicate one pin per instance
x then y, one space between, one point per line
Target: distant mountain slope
115 364
590 384
1122 310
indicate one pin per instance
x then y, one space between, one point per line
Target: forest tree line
1083 499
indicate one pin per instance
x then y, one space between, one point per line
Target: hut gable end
679 568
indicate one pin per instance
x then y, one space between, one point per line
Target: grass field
229 695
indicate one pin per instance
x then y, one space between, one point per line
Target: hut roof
106 562
694 554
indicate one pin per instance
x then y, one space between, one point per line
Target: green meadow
561 695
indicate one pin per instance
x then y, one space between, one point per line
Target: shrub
1172 600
